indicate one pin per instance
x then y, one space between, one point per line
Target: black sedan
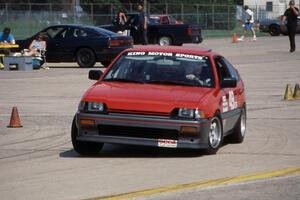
275 27
83 44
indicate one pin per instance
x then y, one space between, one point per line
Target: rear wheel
84 148
165 41
274 30
215 135
238 134
85 58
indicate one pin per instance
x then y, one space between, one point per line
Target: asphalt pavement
37 161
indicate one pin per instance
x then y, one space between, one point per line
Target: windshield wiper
168 82
123 80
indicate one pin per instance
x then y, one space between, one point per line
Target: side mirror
228 83
95 74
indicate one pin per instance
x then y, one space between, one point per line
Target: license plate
167 143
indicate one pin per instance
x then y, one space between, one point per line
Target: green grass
229 33
23 29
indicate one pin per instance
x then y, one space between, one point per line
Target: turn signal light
188 131
114 43
87 122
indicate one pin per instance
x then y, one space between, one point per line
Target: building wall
260 10
275 2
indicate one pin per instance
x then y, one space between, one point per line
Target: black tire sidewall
274 30
83 148
85 52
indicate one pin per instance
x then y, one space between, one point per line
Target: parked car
162 97
163 19
83 44
162 34
275 27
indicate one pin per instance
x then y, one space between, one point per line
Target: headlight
190 113
95 107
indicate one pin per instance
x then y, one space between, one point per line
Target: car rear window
162 68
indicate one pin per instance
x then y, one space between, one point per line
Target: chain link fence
26 19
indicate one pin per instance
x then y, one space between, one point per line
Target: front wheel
274 30
85 58
83 148
164 41
215 135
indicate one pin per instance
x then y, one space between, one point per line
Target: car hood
145 98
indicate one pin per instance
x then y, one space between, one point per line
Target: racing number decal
224 104
231 104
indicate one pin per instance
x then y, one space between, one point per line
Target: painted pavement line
202 184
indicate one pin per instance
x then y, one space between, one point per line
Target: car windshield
162 68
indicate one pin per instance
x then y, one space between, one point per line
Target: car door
230 96
298 24
55 36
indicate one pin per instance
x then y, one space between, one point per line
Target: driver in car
198 76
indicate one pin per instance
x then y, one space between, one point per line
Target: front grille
138 132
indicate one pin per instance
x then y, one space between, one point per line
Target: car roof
174 49
95 28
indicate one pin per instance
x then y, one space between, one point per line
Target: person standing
143 26
120 22
291 15
248 26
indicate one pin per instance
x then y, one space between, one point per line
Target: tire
215 136
105 63
85 58
274 30
84 148
165 41
238 134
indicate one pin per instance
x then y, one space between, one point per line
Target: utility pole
145 5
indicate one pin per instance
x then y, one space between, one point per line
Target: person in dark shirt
291 15
120 21
143 26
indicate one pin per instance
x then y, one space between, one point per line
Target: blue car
275 27
82 44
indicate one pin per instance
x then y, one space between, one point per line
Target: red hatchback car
163 97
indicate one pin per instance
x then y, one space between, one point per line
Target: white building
268 8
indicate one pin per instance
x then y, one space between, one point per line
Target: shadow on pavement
129 151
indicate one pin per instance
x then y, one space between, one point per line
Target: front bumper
142 130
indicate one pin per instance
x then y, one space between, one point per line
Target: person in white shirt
248 26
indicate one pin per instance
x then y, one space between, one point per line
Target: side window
232 71
61 34
76 32
54 31
164 20
221 69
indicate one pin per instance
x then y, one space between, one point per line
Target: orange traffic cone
234 38
15 121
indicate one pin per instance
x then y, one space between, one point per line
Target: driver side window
222 69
